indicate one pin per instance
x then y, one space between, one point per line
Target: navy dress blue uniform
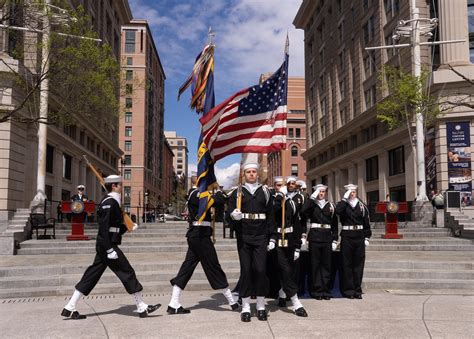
253 233
322 233
355 228
200 246
293 232
111 228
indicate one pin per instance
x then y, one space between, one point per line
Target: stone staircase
461 222
15 232
427 258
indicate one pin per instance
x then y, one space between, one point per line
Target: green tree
84 74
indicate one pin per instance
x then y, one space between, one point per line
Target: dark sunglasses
80 189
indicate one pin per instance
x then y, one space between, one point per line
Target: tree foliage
84 74
407 95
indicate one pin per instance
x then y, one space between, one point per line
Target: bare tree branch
465 78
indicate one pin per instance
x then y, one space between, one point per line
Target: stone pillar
453 26
58 172
383 174
331 187
360 179
337 185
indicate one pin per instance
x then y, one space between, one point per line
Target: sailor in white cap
80 196
355 234
289 253
254 224
200 250
322 238
108 254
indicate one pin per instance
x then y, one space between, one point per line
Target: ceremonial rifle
126 218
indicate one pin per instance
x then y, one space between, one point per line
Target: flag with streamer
201 80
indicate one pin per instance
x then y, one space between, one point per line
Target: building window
128 131
370 97
298 132
129 41
391 51
342 60
50 159
372 168
294 151
179 161
67 166
126 207
129 61
341 32
129 75
180 154
180 167
127 191
127 160
128 116
180 142
392 8
369 66
321 57
294 169
342 88
369 30
396 161
128 88
323 107
128 103
128 145
470 14
127 174
290 133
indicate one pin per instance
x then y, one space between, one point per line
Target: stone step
419 274
420 284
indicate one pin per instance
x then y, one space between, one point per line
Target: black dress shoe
358 296
149 309
245 317
327 297
319 297
262 315
234 306
73 315
301 312
239 301
281 302
350 297
179 310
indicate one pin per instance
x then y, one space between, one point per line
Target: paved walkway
403 314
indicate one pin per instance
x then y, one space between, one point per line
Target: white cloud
227 176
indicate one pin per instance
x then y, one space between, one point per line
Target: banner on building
459 159
430 161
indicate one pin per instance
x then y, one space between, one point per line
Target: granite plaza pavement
381 314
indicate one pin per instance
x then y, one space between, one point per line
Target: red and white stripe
225 133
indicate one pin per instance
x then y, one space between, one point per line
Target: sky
250 39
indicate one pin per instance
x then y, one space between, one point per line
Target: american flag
251 121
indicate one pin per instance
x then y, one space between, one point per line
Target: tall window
127 174
294 169
67 166
396 161
127 160
128 131
298 132
128 145
294 151
128 88
128 116
392 8
129 75
128 103
290 133
129 61
129 41
127 191
49 159
470 14
372 168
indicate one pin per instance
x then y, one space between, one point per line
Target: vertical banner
430 161
459 159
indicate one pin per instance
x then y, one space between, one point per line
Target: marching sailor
201 250
288 247
322 238
254 224
355 234
108 254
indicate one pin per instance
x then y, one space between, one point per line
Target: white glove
284 190
271 246
111 254
236 214
366 242
347 194
304 242
135 226
334 246
296 256
315 194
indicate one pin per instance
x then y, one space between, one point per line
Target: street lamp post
414 29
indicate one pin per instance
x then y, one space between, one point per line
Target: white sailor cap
277 179
320 186
290 178
249 166
81 186
113 179
301 183
350 187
